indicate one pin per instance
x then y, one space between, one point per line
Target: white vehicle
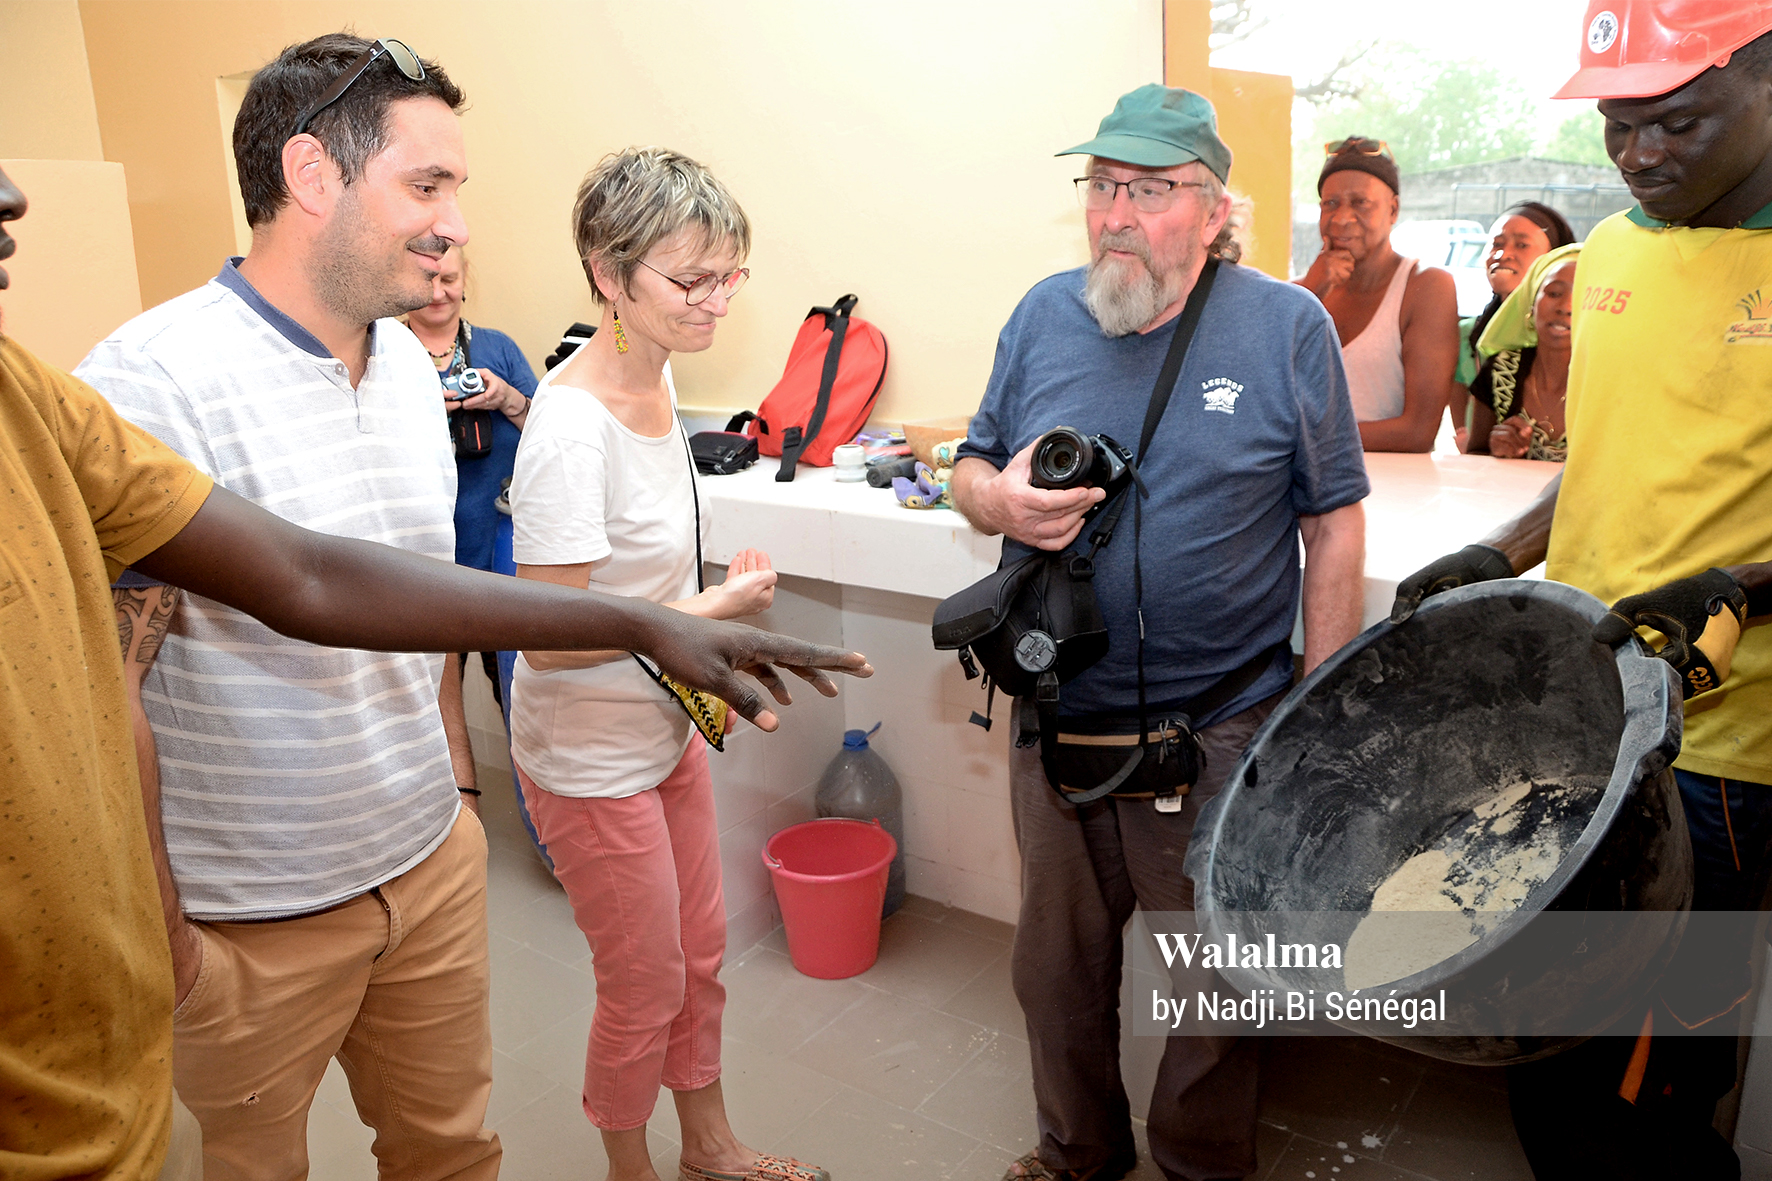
1458 246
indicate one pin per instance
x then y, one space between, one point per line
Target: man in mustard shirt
86 1008
1665 509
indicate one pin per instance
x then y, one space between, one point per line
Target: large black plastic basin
1408 728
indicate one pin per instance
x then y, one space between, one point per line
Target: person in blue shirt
1256 449
486 427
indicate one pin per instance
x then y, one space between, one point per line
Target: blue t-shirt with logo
1259 432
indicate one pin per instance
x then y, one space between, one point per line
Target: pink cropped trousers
643 876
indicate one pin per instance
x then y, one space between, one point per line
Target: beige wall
46 109
73 278
902 151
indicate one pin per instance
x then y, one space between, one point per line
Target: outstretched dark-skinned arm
358 594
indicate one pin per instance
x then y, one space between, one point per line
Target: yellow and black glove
1701 617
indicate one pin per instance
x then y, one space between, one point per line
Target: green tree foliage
1433 112
1579 139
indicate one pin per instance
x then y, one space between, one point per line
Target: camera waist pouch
1095 755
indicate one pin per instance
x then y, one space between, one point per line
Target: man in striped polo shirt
311 815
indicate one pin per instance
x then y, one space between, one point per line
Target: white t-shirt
587 489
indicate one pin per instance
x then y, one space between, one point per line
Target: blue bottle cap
858 739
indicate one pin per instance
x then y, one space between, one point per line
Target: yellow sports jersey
1670 443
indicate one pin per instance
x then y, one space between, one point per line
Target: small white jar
851 460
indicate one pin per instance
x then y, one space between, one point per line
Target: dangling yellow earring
621 338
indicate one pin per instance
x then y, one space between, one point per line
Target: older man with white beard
1256 448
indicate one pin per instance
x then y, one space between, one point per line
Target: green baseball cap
1160 127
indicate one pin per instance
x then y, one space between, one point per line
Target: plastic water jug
860 786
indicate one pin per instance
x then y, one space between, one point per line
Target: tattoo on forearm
144 616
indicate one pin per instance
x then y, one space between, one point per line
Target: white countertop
846 533
1422 506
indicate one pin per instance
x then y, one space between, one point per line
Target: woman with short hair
612 767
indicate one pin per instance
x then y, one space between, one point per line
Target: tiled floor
916 1069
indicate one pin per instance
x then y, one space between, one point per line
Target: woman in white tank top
1397 320
1374 358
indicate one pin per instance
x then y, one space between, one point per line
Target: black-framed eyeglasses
403 58
1357 143
1149 194
697 291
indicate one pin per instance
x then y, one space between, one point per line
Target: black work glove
1473 563
1701 617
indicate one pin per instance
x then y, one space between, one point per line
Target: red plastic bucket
830 880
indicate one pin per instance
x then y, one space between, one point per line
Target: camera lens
1061 459
471 382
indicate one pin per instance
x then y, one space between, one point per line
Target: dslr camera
1067 458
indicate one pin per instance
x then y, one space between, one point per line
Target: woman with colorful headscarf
1517 395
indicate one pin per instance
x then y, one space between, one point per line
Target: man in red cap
1665 510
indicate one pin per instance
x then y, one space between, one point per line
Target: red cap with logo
1642 48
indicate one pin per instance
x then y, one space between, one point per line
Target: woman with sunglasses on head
485 427
1397 320
1518 238
611 764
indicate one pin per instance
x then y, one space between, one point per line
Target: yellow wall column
1254 118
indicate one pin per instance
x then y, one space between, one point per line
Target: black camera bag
469 430
721 453
1034 616
1036 624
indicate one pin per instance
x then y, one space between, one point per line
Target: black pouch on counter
720 453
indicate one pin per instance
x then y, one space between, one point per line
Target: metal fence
1584 205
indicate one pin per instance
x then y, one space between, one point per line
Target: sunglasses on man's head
1357 143
403 58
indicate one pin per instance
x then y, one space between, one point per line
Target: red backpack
824 396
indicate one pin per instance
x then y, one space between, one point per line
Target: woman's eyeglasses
697 290
403 58
1357 143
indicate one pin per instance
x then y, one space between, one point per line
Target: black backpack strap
793 439
737 422
1178 346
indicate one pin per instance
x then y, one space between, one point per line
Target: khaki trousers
393 983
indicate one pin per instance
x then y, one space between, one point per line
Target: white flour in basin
1437 903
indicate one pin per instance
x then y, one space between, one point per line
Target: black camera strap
1046 695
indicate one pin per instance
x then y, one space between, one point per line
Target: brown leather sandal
767 1168
1029 1167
